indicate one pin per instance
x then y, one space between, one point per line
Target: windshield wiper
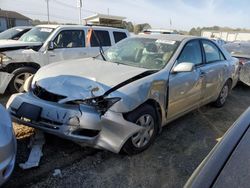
100 46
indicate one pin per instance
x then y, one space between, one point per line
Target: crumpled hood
7 45
83 78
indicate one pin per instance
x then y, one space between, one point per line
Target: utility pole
79 5
47 9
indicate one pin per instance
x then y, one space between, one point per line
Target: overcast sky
184 14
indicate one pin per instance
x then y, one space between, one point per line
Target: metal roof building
105 20
10 19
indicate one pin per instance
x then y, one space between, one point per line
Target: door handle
52 55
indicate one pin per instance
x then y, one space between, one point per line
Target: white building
227 36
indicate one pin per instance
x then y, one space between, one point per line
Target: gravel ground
169 162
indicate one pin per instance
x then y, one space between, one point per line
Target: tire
138 116
20 75
220 101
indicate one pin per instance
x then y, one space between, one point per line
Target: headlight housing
4 58
27 84
100 103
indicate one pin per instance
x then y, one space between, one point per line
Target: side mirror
183 67
51 45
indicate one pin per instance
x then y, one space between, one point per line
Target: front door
69 44
185 87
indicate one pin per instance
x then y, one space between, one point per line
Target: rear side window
70 39
103 37
191 53
119 36
212 52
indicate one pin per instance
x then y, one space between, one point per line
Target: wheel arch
157 108
13 66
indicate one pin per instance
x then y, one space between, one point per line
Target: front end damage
5 79
80 123
85 106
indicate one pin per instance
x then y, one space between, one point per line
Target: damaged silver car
241 50
7 146
121 99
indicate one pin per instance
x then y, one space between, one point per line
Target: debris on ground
57 173
36 144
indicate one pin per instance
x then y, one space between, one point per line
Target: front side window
212 53
37 34
102 36
191 53
70 39
147 53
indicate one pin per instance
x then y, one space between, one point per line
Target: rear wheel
220 101
145 117
20 76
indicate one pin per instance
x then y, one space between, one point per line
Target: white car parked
46 44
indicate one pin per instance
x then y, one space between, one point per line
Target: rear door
99 37
68 44
185 87
118 36
215 70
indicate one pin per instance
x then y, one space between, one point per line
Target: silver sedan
120 99
7 146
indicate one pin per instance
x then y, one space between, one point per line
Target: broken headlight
4 58
100 103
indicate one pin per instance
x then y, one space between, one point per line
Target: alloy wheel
20 80
142 138
224 94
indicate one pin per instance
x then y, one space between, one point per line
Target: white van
46 44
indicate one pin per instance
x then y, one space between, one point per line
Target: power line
65 4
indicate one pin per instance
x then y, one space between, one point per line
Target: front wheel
20 76
146 117
220 101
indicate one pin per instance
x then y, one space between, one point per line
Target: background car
46 44
14 33
121 99
7 146
241 50
227 165
219 41
158 31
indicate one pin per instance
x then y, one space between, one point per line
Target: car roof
173 37
78 26
22 27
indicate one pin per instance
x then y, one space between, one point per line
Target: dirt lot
178 150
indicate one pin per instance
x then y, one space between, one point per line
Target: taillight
242 61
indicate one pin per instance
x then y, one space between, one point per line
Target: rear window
119 36
103 37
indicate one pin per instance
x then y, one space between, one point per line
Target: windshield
8 34
37 34
238 49
142 52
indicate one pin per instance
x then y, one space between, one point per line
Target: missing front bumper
82 125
